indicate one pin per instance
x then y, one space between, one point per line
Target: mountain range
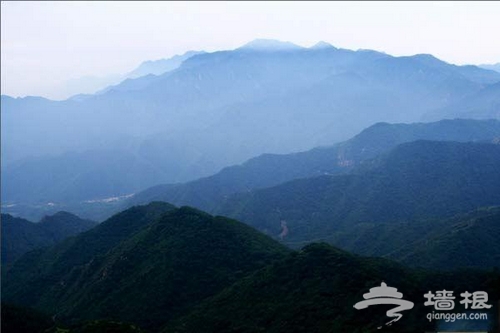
181 270
222 108
402 204
400 195
270 169
263 171
269 188
83 87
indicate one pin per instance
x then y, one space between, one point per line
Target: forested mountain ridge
182 270
149 263
418 180
20 236
315 289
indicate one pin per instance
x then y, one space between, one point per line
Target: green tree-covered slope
144 265
20 236
419 181
315 289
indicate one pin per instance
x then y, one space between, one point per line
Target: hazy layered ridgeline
221 108
385 192
277 184
210 192
270 169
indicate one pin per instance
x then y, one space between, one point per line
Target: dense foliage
314 290
20 236
149 275
469 240
181 270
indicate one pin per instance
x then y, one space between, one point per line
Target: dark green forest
182 270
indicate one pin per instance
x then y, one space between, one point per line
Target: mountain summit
322 45
270 45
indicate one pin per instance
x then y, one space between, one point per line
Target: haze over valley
222 108
231 172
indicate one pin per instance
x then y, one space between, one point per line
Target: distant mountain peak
428 59
322 45
270 45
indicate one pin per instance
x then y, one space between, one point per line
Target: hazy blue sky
46 43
